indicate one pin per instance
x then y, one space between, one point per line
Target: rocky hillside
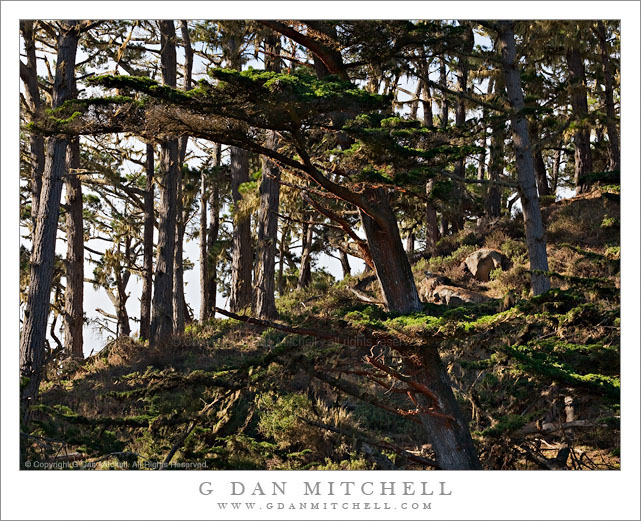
538 377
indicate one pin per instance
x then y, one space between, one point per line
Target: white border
172 495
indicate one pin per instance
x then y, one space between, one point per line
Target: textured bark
29 76
579 102
450 437
497 160
178 288
556 167
409 243
212 237
305 271
162 303
347 269
242 258
534 231
539 164
265 303
428 115
445 107
148 246
431 220
204 262
284 250
32 339
611 121
392 266
74 264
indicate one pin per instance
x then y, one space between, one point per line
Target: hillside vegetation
537 377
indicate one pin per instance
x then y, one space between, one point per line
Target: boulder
483 261
438 291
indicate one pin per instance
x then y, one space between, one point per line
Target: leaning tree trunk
534 231
162 304
579 101
34 329
204 263
74 264
265 303
390 260
611 125
344 259
29 75
148 246
445 425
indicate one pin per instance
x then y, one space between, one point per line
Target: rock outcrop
481 263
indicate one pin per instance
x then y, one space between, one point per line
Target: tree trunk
347 269
409 243
534 231
162 304
497 160
148 246
212 237
284 249
32 339
265 303
579 101
392 266
242 258
305 271
611 121
450 440
178 292
555 170
428 115
445 108
539 164
431 220
204 262
29 75
74 265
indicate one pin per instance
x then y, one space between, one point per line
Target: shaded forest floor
538 377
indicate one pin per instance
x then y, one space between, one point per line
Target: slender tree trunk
534 231
148 246
32 339
390 260
74 265
409 243
611 121
305 271
212 237
431 220
539 164
579 101
445 108
29 75
242 258
204 262
347 269
555 170
284 249
162 304
265 304
497 160
178 293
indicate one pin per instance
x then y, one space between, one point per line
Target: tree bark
449 434
284 249
539 164
74 265
148 245
534 231
611 121
555 170
242 258
265 303
32 339
204 262
212 237
431 220
428 115
305 271
390 260
162 303
445 107
29 75
579 102
347 269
